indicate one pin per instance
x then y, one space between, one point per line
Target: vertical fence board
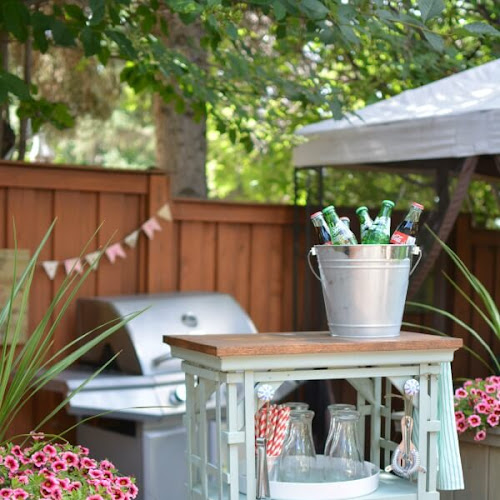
233 256
197 245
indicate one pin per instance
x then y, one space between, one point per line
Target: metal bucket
364 287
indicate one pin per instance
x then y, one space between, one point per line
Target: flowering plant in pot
477 401
47 466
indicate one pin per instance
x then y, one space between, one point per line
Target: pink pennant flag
165 213
73 265
115 251
50 267
150 226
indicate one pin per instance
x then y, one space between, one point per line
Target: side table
222 372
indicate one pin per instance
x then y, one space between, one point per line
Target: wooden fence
245 250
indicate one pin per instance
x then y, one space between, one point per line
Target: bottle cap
388 202
329 209
361 209
345 218
316 214
417 205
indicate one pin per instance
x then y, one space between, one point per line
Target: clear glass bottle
298 458
297 405
321 229
406 232
344 461
333 409
339 232
380 231
365 221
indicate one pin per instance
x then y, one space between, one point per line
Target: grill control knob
189 319
178 395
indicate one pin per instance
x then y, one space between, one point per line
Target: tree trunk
181 145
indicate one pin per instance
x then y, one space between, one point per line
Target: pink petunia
70 458
480 435
75 485
87 463
11 463
459 415
482 407
107 465
50 450
95 474
37 436
59 465
95 497
462 426
39 458
474 420
133 490
16 451
490 388
19 494
460 393
467 383
123 481
493 420
5 493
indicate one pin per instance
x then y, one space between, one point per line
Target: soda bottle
339 232
346 221
380 231
406 232
321 229
365 221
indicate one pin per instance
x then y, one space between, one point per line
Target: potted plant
477 401
48 466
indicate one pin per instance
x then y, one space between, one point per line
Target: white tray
338 490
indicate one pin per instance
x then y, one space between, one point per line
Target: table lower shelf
390 488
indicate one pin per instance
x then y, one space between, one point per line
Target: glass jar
344 462
333 409
298 458
296 405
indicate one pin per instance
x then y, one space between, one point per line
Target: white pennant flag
165 213
92 258
50 267
131 239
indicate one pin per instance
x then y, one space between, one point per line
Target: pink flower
50 484
459 415
460 393
95 497
16 451
5 493
123 481
37 436
87 463
133 490
482 407
474 420
493 420
107 465
59 465
467 383
19 494
95 474
490 389
11 463
70 458
50 450
117 494
83 450
480 435
462 426
76 485
39 458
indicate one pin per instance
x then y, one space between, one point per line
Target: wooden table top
226 345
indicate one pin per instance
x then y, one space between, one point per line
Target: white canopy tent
448 126
456 117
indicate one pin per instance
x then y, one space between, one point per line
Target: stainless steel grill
144 394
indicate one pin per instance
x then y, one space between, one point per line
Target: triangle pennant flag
50 267
73 265
115 251
131 239
92 259
165 213
150 226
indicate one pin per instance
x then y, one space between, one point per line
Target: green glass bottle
339 232
365 222
380 231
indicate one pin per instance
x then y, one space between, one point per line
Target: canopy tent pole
447 223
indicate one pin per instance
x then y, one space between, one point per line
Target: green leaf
16 18
91 41
12 84
98 10
279 10
349 34
232 31
314 9
62 34
481 29
75 12
430 8
436 41
41 24
124 44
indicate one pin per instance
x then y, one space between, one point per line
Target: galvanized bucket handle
416 252
312 251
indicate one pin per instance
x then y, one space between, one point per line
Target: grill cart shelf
232 365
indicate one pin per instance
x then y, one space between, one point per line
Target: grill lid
140 341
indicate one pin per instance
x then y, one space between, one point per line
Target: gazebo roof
455 117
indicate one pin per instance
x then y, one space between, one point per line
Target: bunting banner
131 239
75 264
150 226
50 267
92 259
165 213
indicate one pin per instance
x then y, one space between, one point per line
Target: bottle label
399 238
